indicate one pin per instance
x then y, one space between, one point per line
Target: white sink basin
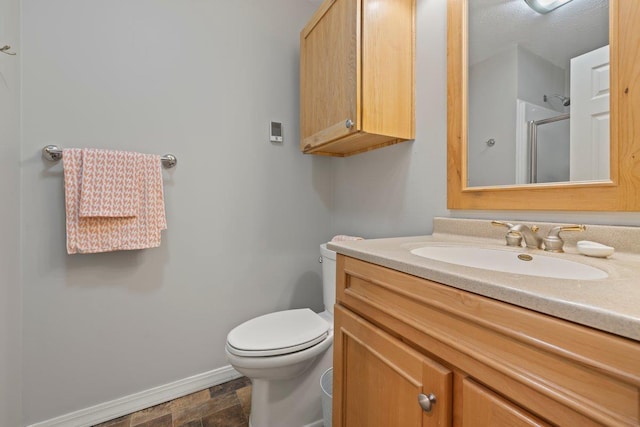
508 261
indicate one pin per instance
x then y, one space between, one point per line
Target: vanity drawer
562 372
482 407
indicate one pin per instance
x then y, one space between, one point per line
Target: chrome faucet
531 239
518 232
553 242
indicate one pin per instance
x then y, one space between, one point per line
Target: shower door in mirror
538 93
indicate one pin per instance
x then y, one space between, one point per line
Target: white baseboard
134 402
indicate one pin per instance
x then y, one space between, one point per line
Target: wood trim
356 143
438 380
386 81
328 135
403 360
339 362
481 407
621 194
317 16
358 337
359 65
533 328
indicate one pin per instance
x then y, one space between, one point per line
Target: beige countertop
611 304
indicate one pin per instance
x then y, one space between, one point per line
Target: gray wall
537 77
10 300
392 193
493 89
396 191
494 86
201 80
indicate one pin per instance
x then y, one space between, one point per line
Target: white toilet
284 354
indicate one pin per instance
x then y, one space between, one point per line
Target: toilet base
295 402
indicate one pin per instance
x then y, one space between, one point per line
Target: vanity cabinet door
378 379
357 76
483 408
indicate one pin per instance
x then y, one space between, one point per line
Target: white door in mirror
589 133
585 247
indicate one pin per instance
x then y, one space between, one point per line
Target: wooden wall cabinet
357 76
485 362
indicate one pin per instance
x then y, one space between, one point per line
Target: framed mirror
524 70
475 83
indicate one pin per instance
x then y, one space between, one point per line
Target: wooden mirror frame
620 193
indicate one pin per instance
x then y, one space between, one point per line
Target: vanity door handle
426 401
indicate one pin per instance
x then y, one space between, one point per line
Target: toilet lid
278 333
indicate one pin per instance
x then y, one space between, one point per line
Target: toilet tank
328 277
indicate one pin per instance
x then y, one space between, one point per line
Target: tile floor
224 405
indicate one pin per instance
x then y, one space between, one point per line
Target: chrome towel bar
53 153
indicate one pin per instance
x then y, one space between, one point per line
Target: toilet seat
278 333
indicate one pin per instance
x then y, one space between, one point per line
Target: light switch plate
276 132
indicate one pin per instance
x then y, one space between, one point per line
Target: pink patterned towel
110 185
112 228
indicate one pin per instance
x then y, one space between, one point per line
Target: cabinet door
378 379
481 407
329 73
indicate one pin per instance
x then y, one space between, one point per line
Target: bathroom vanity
425 343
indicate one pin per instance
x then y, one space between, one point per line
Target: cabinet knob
349 123
426 401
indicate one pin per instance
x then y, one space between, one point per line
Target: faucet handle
513 239
553 242
502 223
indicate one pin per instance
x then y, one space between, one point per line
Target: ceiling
571 30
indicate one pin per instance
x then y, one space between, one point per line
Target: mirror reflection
538 92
